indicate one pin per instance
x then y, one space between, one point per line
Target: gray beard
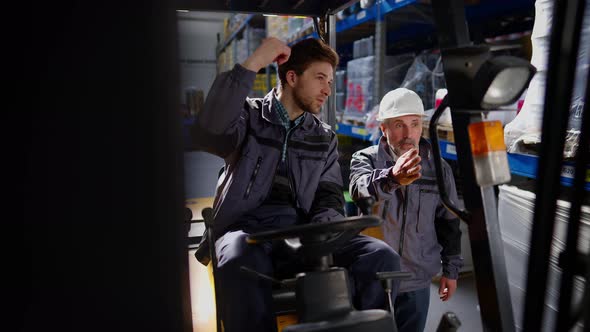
397 153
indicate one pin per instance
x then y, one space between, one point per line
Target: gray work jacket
416 225
249 136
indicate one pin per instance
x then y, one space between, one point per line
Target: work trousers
411 310
245 301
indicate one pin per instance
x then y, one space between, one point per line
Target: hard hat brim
393 116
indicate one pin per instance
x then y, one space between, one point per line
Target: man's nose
405 132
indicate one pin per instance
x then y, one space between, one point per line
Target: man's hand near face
271 50
407 168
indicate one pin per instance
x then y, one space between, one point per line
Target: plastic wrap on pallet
363 47
360 68
373 125
241 50
340 101
278 27
396 70
425 76
524 132
515 216
359 97
359 89
340 80
360 83
255 37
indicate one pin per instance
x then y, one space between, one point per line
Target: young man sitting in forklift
281 169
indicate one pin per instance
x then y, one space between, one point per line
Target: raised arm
222 124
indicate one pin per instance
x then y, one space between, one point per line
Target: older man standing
399 174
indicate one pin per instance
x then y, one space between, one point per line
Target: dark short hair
304 53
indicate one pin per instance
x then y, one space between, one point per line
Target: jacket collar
271 116
267 109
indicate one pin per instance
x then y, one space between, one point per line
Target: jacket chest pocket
428 202
307 170
430 248
253 176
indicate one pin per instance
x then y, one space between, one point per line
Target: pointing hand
407 168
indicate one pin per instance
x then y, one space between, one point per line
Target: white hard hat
400 102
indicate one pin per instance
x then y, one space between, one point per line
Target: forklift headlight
502 80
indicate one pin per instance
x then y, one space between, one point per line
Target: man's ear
291 77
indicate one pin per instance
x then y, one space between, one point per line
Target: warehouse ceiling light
481 81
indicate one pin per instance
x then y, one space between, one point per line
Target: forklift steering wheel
319 239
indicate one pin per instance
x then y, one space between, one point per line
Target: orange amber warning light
490 159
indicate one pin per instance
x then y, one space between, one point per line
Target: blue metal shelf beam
520 164
370 14
353 131
478 12
312 35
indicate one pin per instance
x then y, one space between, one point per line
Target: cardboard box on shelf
445 132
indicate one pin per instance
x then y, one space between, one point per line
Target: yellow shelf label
359 131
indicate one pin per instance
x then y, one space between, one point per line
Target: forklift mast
481 213
480 202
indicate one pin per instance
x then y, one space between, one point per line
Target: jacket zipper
289 176
253 177
291 185
283 131
385 210
401 239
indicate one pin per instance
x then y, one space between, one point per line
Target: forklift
478 83
104 163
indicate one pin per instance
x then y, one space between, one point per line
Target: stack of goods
278 27
359 89
523 134
340 79
515 216
299 27
235 21
363 47
254 37
425 76
241 50
395 73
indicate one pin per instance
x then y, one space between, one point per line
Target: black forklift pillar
461 60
